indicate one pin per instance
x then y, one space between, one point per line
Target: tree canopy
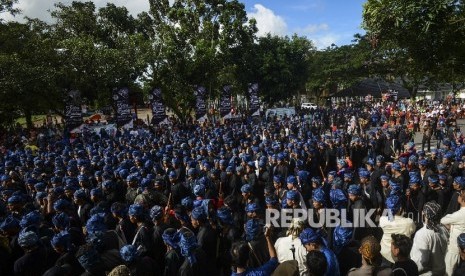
213 43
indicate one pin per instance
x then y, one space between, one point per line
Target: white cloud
268 21
314 28
39 8
325 40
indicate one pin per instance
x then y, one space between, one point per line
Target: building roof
374 87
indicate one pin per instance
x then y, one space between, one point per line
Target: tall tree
99 49
197 43
426 36
27 79
284 66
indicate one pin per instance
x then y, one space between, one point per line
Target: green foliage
283 66
7 6
197 43
424 39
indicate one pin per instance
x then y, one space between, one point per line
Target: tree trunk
28 115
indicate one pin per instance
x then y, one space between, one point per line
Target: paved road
418 136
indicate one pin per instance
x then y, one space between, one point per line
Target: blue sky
323 21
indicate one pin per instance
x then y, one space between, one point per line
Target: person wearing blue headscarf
357 205
137 264
242 255
35 260
315 240
346 249
254 236
338 199
62 244
159 226
81 200
394 223
142 238
172 258
415 197
458 186
195 259
207 238
124 227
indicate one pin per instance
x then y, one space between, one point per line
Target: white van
308 106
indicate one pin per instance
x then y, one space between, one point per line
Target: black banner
158 107
225 101
73 111
254 101
200 105
123 109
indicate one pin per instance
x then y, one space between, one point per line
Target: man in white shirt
455 222
430 243
291 248
394 223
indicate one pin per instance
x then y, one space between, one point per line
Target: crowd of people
192 198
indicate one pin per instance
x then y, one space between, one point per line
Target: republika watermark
327 217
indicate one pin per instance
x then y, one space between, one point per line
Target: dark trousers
426 140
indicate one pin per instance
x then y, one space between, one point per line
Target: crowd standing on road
190 198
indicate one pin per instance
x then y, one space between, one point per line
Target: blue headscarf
354 190
252 207
292 195
27 239
292 180
96 223
199 214
199 190
61 205
271 200
342 237
188 244
171 237
224 214
396 188
9 223
31 218
61 239
156 212
338 198
310 235
136 210
187 202
80 194
128 253
252 229
460 181
246 188
61 221
393 204
319 196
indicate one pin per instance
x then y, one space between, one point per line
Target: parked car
308 106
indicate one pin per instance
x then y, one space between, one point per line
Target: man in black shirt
400 250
